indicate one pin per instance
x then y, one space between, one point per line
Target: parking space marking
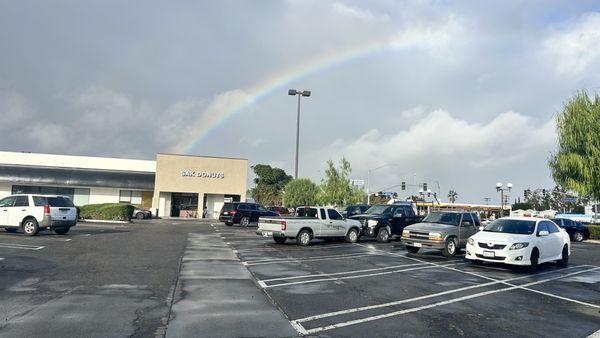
350 277
288 248
594 335
419 308
20 246
307 259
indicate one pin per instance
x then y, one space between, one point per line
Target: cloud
356 13
573 46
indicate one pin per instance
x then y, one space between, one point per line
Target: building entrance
184 205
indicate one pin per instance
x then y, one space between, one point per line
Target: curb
593 241
101 221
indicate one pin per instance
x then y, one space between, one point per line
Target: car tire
140 215
564 260
577 236
11 230
383 235
352 236
450 248
245 221
229 224
279 240
30 227
61 231
303 238
412 249
534 260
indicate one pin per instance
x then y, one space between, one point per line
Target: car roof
523 218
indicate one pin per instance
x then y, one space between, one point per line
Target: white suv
33 213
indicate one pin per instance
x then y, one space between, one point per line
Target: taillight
233 212
47 210
283 225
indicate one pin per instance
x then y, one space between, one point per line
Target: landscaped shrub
107 211
594 231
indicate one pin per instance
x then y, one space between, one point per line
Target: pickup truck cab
307 224
386 220
447 231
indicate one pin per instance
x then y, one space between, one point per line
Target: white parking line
297 249
306 259
594 335
419 308
351 277
20 246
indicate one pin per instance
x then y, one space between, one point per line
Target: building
172 186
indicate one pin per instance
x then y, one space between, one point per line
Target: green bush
594 231
107 211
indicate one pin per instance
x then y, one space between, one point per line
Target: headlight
471 241
372 222
405 233
518 246
435 236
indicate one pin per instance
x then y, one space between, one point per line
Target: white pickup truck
309 223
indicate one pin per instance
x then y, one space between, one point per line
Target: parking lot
177 278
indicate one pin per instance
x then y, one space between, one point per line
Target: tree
452 196
299 192
522 206
576 164
336 188
269 183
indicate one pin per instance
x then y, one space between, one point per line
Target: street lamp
300 93
501 189
369 182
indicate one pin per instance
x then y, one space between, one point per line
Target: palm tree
452 196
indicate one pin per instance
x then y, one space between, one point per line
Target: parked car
384 221
356 209
33 213
140 213
309 223
447 231
279 210
576 230
243 213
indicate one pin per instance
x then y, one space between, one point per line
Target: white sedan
520 241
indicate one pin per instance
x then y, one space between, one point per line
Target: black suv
576 230
243 213
386 220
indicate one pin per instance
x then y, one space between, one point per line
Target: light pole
300 93
369 181
501 189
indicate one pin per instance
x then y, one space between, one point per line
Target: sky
458 94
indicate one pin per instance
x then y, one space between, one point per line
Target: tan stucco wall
170 179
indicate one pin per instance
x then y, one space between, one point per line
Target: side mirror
543 233
481 228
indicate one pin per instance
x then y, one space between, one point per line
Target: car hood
498 237
368 216
430 227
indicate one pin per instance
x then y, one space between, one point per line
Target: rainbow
275 83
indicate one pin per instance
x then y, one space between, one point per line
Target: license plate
489 254
417 245
267 234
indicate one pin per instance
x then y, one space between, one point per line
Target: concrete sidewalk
218 297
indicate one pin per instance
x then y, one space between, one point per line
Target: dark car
387 220
355 209
279 210
576 230
243 213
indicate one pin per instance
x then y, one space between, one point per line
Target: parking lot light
300 93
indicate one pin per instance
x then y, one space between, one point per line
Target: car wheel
564 260
229 224
140 215
534 260
11 230
61 231
412 249
245 221
450 248
577 236
303 238
352 236
279 240
383 236
30 227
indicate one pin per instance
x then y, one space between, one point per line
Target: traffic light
424 186
403 185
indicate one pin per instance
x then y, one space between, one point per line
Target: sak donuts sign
202 174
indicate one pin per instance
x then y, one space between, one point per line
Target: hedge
594 231
107 211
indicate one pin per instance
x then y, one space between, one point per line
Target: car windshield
59 202
448 218
511 226
378 210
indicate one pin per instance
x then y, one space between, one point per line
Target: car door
544 243
5 206
19 210
398 221
337 223
555 239
467 228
